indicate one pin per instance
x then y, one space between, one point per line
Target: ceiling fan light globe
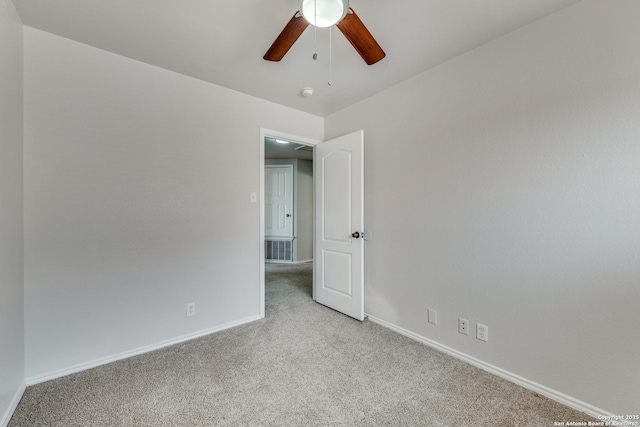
327 12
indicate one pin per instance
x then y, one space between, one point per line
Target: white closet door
278 192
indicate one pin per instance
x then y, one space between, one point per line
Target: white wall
504 186
11 225
132 209
304 193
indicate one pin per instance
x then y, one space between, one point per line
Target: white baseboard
528 384
135 352
4 421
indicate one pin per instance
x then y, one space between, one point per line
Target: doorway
282 149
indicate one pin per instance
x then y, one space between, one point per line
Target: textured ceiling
223 41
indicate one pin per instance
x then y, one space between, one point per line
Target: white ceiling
223 41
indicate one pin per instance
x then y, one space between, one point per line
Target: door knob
356 235
288 215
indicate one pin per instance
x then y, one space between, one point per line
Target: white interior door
278 204
339 191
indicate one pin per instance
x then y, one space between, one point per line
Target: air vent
278 250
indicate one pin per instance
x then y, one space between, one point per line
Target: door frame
289 137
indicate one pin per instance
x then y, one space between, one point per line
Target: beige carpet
304 365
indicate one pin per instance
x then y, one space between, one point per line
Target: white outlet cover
191 309
482 332
463 326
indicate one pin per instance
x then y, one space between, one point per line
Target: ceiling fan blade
361 39
294 28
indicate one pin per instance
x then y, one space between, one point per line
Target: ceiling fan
325 13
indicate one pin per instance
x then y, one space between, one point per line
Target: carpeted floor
303 365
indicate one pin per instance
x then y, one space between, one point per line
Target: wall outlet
463 326
191 309
433 317
482 332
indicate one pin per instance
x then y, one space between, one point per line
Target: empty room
471 192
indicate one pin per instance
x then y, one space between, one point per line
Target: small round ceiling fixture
324 13
306 92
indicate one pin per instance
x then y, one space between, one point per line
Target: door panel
334 263
339 192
